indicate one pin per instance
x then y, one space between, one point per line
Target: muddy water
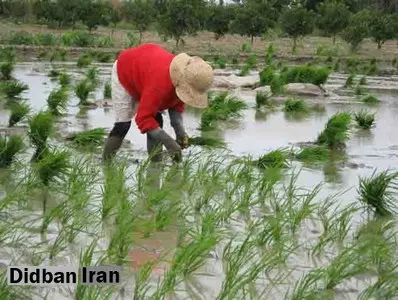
256 132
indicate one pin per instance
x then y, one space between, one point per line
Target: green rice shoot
19 110
364 119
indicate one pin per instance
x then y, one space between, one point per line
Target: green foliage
77 38
350 80
358 29
9 148
313 154
84 60
262 99
206 141
364 119
82 90
382 27
19 110
363 81
370 99
21 38
221 107
107 90
267 75
6 70
57 101
269 54
219 61
45 39
53 166
140 13
336 130
333 18
277 159
13 88
218 19
306 74
40 128
295 105
64 79
297 21
93 13
90 138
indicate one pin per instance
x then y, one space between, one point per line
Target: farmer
147 80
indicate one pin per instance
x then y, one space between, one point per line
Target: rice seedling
245 70
90 138
9 148
64 79
370 99
269 54
263 99
313 154
363 81
251 62
40 128
277 85
352 64
378 192
306 74
107 90
295 106
319 108
13 88
364 119
336 67
274 159
19 110
358 90
336 130
53 73
82 90
220 62
222 107
84 60
267 75
57 101
103 57
206 141
349 81
92 76
394 62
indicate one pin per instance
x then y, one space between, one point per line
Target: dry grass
204 43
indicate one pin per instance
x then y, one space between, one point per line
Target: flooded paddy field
215 226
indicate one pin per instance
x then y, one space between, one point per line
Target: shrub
103 57
13 88
9 147
251 62
104 42
19 110
364 119
336 130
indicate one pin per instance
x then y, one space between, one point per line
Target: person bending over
147 80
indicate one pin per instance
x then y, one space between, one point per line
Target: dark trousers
152 145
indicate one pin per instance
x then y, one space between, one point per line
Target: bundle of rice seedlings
269 54
53 73
370 99
19 110
295 105
57 101
336 131
317 107
251 62
89 138
64 79
358 90
364 119
13 88
207 142
245 70
274 159
40 128
313 154
107 90
262 99
349 81
277 85
92 76
9 147
221 107
306 74
379 192
83 90
84 60
336 67
363 81
267 75
394 62
103 57
220 62
53 166
6 70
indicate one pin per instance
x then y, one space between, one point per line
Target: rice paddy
257 209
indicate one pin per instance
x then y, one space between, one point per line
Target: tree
181 17
252 19
113 14
140 13
93 14
358 29
333 18
382 27
296 22
219 19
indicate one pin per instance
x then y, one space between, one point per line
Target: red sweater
144 72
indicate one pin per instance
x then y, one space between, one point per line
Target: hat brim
191 97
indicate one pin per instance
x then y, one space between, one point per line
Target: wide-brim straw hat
192 78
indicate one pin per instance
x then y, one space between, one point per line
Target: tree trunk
140 39
334 39
177 41
294 46
252 40
379 44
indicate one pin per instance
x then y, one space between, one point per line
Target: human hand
183 141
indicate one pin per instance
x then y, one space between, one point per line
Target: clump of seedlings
313 154
9 148
295 106
206 142
220 62
245 70
107 90
7 65
364 119
54 73
221 107
92 76
13 88
276 159
269 54
363 81
336 67
40 128
370 99
358 90
336 131
19 110
82 90
378 192
90 138
57 101
263 99
64 79
267 75
305 74
350 80
84 60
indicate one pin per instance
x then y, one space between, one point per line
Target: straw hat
192 77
